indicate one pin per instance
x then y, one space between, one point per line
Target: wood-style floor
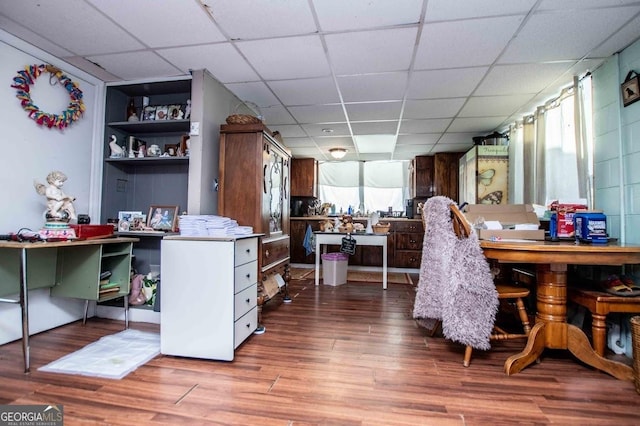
346 355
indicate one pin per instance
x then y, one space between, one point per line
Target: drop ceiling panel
435 125
318 114
445 10
338 129
33 38
161 29
372 87
501 106
374 111
418 139
481 125
293 142
521 78
579 30
453 138
136 65
375 127
456 147
464 43
250 19
306 91
433 108
340 15
256 92
286 58
289 131
329 142
276 114
89 32
371 51
222 60
618 41
456 82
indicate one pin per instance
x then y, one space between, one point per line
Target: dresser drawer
245 301
245 275
274 250
408 226
246 250
409 241
244 326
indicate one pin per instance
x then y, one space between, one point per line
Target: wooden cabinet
423 176
304 177
446 171
254 189
209 295
408 244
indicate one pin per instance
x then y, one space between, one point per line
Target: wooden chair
507 294
600 304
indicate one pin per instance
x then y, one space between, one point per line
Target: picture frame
630 89
163 218
171 149
125 220
162 111
149 113
175 112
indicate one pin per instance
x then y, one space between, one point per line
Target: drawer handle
266 253
248 251
248 276
248 325
248 300
412 241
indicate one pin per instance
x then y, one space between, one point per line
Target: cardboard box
565 214
509 215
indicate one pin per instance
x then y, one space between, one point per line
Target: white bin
334 268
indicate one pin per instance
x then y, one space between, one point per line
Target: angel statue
59 205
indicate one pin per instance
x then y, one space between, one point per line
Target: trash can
334 268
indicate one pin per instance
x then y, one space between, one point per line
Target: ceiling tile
373 87
418 139
579 30
371 51
33 38
464 43
450 148
294 142
276 114
374 111
456 82
371 144
289 131
521 78
425 126
483 106
162 29
339 15
329 142
482 125
250 19
305 91
136 65
286 58
445 10
460 138
375 127
256 92
318 114
338 129
222 60
433 108
627 35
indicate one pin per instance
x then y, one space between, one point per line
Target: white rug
111 357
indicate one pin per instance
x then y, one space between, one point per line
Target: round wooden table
551 329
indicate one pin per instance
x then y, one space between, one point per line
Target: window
365 186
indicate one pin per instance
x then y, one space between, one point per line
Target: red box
90 232
565 213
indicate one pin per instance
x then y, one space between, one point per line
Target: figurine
116 150
187 110
59 205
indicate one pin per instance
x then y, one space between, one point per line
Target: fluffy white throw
455 285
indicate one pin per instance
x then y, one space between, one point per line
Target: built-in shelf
147 160
151 126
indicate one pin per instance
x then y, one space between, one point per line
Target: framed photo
125 220
163 218
149 113
630 89
171 149
162 112
138 222
176 112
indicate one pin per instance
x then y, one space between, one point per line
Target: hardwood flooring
346 355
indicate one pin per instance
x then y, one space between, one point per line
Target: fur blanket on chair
455 285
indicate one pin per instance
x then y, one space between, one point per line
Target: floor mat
362 276
111 357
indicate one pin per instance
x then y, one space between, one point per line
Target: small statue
187 110
59 205
116 150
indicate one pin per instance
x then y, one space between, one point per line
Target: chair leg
524 317
599 332
467 356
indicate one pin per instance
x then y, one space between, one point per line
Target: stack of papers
211 226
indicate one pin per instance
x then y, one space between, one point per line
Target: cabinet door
423 176
275 177
304 172
446 174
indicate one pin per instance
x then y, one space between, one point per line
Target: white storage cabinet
209 295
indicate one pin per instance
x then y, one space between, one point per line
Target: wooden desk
69 268
551 329
361 239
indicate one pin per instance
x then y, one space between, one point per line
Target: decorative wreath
28 76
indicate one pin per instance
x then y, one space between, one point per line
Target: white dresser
209 295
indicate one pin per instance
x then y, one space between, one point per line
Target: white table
324 238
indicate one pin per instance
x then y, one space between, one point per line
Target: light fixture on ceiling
338 153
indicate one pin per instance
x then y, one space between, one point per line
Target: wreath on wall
22 83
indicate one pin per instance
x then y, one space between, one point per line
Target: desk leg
384 267
579 345
531 352
24 307
317 262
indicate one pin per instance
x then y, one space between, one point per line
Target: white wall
29 153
